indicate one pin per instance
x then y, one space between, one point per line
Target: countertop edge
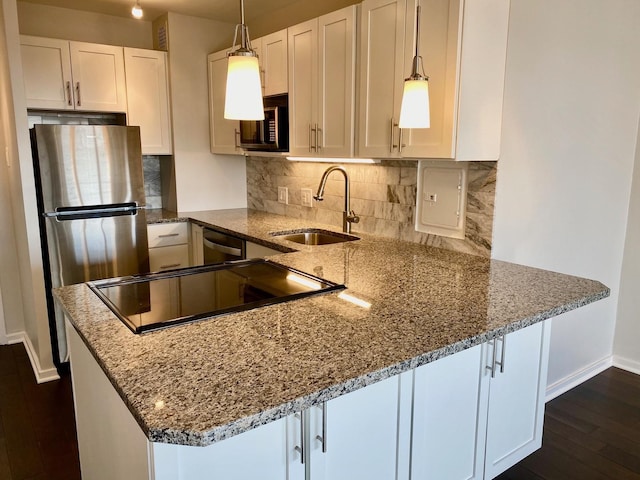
203 439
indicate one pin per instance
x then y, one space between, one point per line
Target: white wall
67 24
23 201
203 181
11 312
572 101
627 339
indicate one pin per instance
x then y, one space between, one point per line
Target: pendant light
414 111
136 11
243 98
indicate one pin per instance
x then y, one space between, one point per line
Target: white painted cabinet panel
303 86
261 453
98 77
463 45
321 85
110 442
148 98
272 53
472 424
59 74
360 435
450 405
46 68
517 398
223 133
381 65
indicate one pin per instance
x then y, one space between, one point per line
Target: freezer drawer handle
222 248
166 235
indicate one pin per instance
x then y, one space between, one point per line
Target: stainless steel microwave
270 134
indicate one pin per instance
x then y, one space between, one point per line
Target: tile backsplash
152 180
382 195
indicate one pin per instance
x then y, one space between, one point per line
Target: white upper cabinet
463 45
272 54
223 133
46 66
321 85
148 98
381 66
98 76
59 74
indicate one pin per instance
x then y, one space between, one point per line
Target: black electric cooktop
159 300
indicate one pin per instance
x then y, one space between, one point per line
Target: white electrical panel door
442 198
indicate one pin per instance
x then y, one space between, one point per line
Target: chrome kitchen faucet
348 216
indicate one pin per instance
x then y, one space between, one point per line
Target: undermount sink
314 236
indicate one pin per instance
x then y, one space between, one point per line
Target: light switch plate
283 195
306 194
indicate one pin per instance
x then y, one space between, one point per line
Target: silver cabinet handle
236 136
173 265
494 355
168 235
78 94
401 145
222 248
310 144
300 448
69 99
323 438
392 126
503 341
318 130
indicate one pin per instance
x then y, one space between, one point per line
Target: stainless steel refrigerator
91 201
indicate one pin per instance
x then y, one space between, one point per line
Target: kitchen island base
472 414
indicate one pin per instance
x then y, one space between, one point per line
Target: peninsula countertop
202 382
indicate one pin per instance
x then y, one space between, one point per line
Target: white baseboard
42 375
567 383
627 364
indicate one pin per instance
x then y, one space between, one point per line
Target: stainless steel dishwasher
219 247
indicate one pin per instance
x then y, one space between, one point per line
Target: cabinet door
46 68
381 57
336 102
98 77
449 418
303 87
168 258
439 27
361 433
148 98
274 63
261 453
516 398
223 133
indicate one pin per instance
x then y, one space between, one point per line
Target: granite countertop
199 383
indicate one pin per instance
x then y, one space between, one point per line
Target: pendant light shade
136 11
414 111
243 96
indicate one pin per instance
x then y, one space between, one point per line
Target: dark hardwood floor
591 432
37 425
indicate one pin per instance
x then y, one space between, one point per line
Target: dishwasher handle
222 248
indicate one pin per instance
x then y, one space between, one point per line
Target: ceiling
222 10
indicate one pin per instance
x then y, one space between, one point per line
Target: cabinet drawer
165 234
168 258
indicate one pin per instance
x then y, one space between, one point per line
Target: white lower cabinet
470 415
354 436
476 414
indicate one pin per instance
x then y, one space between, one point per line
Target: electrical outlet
283 195
306 194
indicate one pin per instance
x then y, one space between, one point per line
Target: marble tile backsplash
382 195
152 180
